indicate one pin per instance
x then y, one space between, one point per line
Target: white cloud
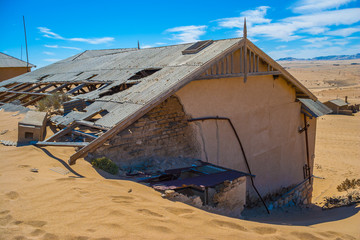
256 16
303 6
187 33
315 30
93 40
49 34
314 40
52 60
49 53
344 32
287 29
147 46
65 47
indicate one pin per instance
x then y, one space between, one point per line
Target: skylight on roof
197 47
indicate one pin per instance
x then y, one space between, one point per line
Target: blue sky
59 29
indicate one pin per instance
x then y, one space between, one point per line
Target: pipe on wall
242 150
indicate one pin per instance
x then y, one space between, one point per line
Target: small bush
52 102
105 164
348 184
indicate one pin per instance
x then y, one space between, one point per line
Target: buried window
144 73
29 135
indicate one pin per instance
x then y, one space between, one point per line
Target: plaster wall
10 72
266 117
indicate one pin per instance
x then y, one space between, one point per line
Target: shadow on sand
60 161
296 216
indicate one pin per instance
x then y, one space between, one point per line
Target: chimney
346 99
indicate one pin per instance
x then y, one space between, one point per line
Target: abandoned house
338 106
223 102
11 67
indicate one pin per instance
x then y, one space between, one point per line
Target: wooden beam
77 88
264 73
237 75
62 132
63 144
37 91
91 124
88 135
30 93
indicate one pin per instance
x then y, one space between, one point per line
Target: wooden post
245 51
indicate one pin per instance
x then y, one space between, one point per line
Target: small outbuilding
11 67
32 127
338 106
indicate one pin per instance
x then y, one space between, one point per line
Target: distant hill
332 57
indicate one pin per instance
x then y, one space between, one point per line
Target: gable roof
338 102
9 61
171 70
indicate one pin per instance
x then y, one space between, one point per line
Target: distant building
337 106
11 67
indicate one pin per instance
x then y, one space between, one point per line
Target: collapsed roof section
124 84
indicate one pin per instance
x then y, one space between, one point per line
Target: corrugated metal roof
338 102
9 61
315 109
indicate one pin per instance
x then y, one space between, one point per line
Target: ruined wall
299 195
266 117
10 72
162 133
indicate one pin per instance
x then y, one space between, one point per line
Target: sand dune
49 205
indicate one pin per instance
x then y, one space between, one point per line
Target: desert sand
82 204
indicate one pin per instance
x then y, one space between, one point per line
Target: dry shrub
105 164
52 102
348 184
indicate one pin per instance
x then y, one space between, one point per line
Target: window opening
29 135
144 73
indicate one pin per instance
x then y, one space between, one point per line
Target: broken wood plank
30 93
77 88
37 91
91 124
63 144
88 135
62 132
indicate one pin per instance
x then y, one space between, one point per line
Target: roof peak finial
245 30
138 44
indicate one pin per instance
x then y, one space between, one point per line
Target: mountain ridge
330 57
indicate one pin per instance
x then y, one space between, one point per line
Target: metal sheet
338 102
316 109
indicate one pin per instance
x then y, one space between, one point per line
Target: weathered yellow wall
7 73
266 117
